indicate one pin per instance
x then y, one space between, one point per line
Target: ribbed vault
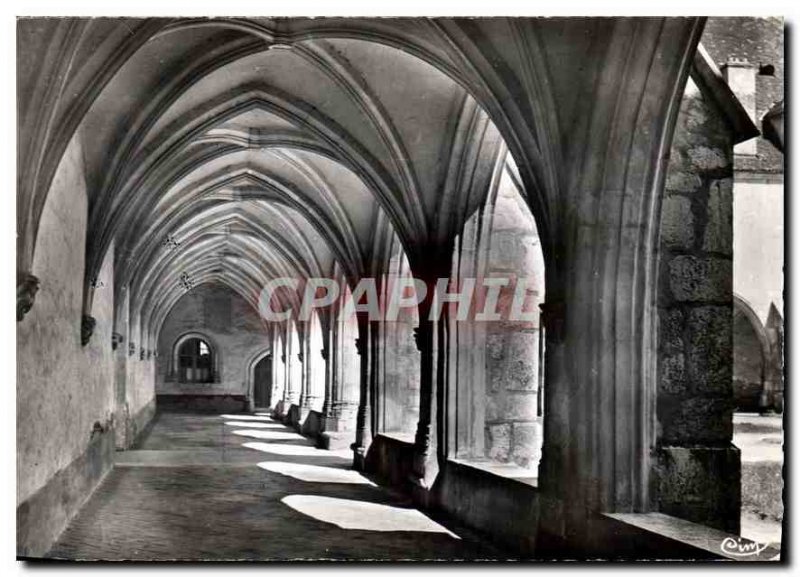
237 151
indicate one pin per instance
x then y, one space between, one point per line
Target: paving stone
202 496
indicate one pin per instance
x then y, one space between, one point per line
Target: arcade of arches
170 168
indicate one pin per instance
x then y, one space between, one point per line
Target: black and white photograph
486 289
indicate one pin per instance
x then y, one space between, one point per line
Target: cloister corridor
246 487
400 288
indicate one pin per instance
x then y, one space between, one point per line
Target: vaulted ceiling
216 153
237 150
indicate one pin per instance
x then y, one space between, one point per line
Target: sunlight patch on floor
363 515
255 425
296 450
272 435
315 473
264 418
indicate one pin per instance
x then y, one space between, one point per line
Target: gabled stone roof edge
710 80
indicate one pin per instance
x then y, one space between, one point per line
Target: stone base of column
423 476
279 412
310 423
359 457
302 415
335 441
293 417
701 484
340 420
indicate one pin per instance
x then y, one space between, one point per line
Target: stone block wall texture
697 468
513 429
760 42
234 329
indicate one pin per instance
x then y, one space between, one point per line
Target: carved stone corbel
87 329
360 346
324 352
116 340
131 349
141 353
300 356
149 354
27 287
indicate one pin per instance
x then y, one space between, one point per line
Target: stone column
697 469
294 370
340 408
326 356
364 414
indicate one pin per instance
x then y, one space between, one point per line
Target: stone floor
760 440
244 487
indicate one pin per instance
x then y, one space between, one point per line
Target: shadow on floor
196 490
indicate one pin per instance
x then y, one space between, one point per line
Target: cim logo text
740 548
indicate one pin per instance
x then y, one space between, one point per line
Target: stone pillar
331 355
340 408
425 464
600 240
697 469
364 414
294 369
326 356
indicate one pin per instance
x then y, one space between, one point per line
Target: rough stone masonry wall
697 467
400 375
513 429
233 326
65 391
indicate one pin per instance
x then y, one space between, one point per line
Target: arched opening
262 383
397 402
750 353
757 430
195 362
497 356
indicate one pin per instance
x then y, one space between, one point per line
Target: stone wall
235 331
399 375
513 427
697 467
65 391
